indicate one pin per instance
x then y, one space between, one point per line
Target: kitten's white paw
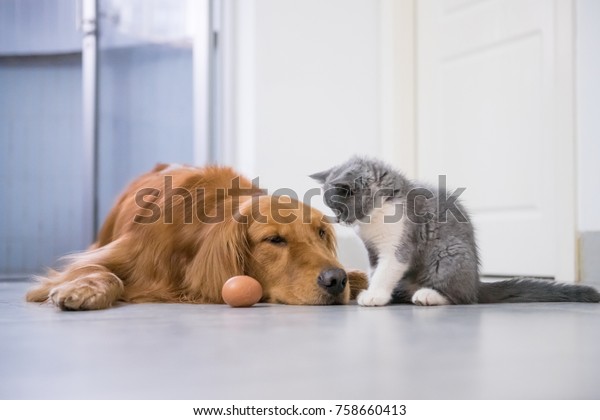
373 298
428 297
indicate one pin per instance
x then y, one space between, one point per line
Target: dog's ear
330 237
322 176
222 254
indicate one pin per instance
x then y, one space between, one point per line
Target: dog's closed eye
276 240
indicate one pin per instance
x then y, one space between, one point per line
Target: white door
495 101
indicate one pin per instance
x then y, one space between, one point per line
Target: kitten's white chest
382 236
385 228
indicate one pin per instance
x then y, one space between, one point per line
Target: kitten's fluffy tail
535 290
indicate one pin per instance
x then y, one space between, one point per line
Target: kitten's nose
333 280
339 214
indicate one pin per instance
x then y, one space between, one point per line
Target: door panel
486 119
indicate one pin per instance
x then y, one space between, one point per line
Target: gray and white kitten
421 243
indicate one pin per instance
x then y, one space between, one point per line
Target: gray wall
145 113
38 27
40 161
588 138
145 117
588 123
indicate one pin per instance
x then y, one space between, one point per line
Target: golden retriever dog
177 233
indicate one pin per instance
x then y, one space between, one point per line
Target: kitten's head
352 189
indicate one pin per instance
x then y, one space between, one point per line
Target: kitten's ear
321 176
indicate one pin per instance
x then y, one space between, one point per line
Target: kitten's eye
276 240
322 233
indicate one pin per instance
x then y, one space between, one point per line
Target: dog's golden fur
140 259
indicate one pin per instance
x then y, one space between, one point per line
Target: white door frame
565 142
204 152
87 22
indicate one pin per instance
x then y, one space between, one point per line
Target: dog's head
287 246
292 253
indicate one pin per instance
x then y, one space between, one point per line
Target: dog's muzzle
333 280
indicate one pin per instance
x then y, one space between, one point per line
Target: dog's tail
535 290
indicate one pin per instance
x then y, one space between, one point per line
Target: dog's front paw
373 298
358 281
73 296
96 291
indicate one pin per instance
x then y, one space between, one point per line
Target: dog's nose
333 280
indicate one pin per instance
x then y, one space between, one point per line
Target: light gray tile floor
182 351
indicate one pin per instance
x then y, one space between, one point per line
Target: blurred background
501 96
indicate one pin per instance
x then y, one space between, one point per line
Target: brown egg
241 291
